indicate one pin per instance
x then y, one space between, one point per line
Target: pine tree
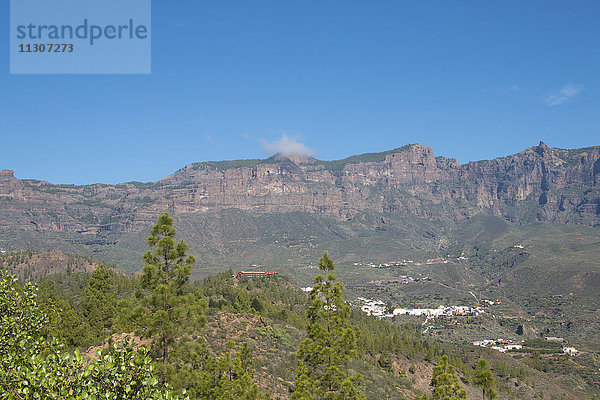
169 309
445 382
99 301
484 378
330 343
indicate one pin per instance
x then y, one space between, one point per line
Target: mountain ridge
537 184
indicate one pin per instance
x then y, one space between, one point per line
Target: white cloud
511 89
287 146
565 94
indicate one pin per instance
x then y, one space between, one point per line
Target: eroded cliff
539 183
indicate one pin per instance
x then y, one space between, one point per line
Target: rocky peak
7 179
7 174
541 148
296 159
413 154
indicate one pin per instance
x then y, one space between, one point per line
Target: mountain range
542 183
302 200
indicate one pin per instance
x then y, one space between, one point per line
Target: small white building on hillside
570 351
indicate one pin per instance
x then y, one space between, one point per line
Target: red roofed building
255 274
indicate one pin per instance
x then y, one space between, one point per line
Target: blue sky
232 79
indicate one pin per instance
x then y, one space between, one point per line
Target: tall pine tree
169 309
99 301
445 382
330 343
484 378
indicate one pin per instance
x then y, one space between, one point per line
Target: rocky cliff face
540 183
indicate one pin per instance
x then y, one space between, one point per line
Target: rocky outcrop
540 183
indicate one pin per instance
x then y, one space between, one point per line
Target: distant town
504 346
378 308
